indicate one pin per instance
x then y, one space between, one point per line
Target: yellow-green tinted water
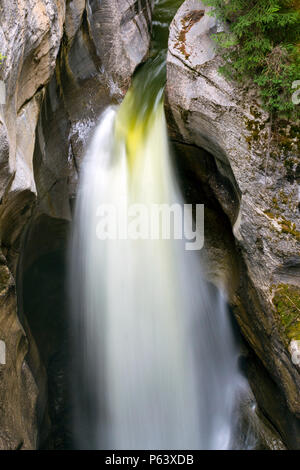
137 111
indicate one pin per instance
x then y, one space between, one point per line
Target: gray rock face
120 32
30 36
65 60
254 179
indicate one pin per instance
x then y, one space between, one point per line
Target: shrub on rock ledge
262 43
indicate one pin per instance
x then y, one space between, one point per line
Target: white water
156 363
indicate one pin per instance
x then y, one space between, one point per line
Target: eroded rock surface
30 36
255 177
120 32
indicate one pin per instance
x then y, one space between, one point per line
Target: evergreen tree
262 43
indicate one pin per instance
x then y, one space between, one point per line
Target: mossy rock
287 303
290 228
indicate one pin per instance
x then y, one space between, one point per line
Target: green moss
288 136
287 303
294 131
269 214
2 58
261 43
255 128
274 155
289 164
4 279
275 203
284 198
255 113
286 143
288 227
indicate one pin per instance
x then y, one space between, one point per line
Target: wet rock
120 31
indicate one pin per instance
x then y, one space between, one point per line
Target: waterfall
155 363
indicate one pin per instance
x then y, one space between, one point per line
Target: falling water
155 365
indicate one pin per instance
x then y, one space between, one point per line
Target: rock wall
65 59
253 171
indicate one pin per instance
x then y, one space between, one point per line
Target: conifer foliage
262 44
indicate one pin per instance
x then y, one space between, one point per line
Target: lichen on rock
287 303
